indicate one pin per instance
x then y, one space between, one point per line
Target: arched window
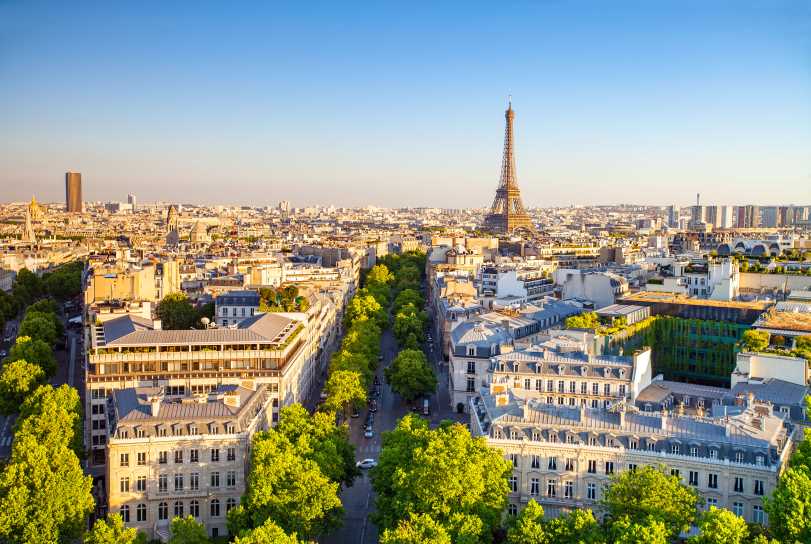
229 504
163 511
215 508
125 513
140 512
194 508
179 509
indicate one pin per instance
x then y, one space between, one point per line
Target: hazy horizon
395 107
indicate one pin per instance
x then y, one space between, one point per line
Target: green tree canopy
417 529
17 380
720 526
648 493
414 458
575 527
282 299
649 531
27 288
53 417
40 326
188 531
176 312
268 533
409 320
113 531
408 297
344 388
354 362
410 375
287 488
528 526
364 306
34 351
46 305
754 340
44 493
789 507
316 437
64 282
586 320
379 274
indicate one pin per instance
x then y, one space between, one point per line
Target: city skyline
405 109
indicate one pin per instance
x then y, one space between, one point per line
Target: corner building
181 456
563 456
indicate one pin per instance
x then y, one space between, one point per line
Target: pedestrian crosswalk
6 440
367 449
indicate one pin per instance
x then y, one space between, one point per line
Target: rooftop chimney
155 405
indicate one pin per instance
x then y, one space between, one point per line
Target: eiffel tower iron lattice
507 213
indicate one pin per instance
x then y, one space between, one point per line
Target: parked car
3 353
379 358
366 464
369 433
355 413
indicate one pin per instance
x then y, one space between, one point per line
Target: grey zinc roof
262 328
637 423
133 406
552 362
478 333
242 298
774 391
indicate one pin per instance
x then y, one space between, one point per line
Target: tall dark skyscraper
507 213
73 192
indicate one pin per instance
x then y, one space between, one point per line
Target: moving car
369 433
366 463
373 406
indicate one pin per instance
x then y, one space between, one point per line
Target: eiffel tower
507 213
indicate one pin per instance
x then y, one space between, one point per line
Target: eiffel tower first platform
507 214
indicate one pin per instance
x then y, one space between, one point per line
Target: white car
366 463
369 432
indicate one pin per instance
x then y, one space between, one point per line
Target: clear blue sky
402 104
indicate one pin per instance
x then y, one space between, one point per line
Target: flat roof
620 309
674 298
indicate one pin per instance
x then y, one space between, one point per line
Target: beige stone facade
564 457
179 457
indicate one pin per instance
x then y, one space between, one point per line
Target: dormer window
584 370
161 430
230 428
213 428
139 432
192 429
561 369
123 433
739 457
471 351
